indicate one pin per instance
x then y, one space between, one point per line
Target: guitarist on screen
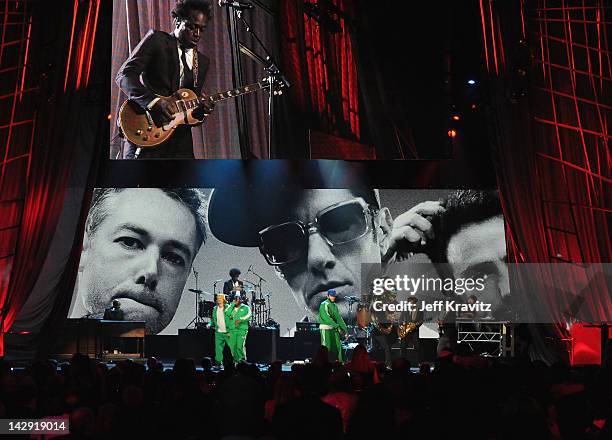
161 64
384 333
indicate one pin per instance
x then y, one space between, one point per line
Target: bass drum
364 316
205 309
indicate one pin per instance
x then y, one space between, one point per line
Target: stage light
471 82
456 117
473 106
452 133
109 117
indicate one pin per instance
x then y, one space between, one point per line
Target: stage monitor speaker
261 345
284 349
306 344
196 344
161 346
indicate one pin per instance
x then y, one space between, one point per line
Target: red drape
50 162
319 62
552 110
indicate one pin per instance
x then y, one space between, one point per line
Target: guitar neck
229 94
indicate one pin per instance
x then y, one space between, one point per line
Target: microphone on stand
236 4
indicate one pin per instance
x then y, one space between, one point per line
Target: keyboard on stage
87 336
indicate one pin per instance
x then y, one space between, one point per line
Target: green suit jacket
241 313
330 315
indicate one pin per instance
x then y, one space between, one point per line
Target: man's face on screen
141 254
323 266
479 250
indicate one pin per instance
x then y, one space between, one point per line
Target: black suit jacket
228 286
420 315
153 69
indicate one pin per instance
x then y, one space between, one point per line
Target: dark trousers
411 342
179 146
385 342
446 343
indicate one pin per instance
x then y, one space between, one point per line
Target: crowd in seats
462 396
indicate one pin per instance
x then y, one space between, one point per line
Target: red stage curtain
50 163
552 88
319 61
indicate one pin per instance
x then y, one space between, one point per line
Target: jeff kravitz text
435 306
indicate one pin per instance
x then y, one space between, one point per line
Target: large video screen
341 90
164 253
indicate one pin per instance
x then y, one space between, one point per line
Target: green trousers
237 341
331 339
221 340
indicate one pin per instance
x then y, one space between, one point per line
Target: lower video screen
163 255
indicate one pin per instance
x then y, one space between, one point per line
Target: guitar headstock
279 83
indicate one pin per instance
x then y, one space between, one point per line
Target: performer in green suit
221 324
239 317
330 324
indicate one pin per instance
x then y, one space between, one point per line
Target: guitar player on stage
410 322
161 64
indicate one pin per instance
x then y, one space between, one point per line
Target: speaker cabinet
260 344
306 344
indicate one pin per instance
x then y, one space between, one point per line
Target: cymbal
195 290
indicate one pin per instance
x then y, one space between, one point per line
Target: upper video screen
296 79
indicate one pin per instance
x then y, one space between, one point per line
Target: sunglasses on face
337 224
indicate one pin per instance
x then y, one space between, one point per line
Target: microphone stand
241 111
274 75
260 312
196 320
215 290
197 299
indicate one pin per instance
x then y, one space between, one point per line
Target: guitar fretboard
250 88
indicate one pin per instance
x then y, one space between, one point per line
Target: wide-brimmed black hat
236 215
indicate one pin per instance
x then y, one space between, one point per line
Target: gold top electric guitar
140 127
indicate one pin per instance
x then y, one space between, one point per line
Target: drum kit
260 304
203 308
360 325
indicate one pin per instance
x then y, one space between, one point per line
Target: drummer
234 284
